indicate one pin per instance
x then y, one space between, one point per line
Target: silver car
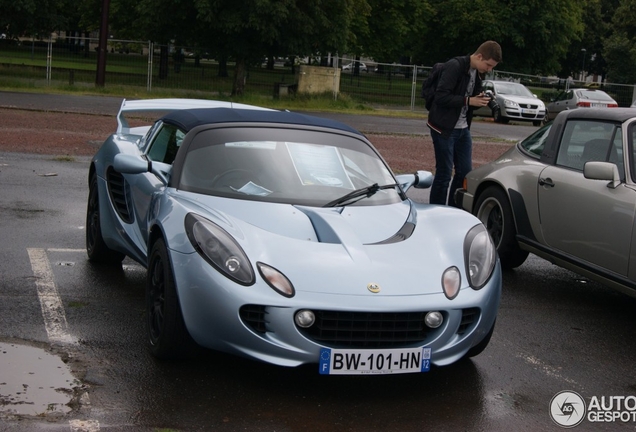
286 238
515 102
579 98
567 193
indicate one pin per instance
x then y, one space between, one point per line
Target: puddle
34 382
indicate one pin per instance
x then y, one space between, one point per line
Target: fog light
305 318
434 319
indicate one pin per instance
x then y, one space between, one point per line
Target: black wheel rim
494 224
491 216
156 300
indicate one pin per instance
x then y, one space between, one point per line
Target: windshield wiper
358 194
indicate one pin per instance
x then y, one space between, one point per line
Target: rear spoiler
166 105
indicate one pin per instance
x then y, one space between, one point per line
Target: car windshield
286 166
513 89
594 95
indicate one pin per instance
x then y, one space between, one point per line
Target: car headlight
219 249
480 256
510 103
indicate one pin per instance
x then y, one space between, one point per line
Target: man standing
457 93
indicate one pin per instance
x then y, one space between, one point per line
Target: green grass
23 68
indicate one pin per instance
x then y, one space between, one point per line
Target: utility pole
103 45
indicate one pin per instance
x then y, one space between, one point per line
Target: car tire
96 248
494 211
496 115
168 337
481 346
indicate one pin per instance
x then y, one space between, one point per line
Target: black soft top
188 119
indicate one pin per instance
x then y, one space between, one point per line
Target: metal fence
150 67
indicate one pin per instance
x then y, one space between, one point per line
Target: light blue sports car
286 238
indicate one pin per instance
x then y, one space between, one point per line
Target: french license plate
598 105
528 111
382 361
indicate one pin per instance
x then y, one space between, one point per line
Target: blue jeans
454 150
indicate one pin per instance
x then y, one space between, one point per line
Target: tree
588 51
392 27
619 47
37 18
252 29
534 35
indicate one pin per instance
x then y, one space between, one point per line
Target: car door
564 101
586 218
161 151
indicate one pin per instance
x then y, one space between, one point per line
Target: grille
368 329
117 188
469 317
254 317
529 106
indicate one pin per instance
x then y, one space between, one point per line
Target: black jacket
450 95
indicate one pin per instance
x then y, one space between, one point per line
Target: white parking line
65 250
52 308
54 316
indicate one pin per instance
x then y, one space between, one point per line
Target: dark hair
490 50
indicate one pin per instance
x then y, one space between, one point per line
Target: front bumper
214 311
523 114
464 199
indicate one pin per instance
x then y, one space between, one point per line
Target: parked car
351 66
514 102
286 238
567 193
579 98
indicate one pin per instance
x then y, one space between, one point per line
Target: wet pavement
35 382
72 352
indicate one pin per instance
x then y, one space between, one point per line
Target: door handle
546 182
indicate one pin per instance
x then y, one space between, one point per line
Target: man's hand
481 100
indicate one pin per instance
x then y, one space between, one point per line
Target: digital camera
492 103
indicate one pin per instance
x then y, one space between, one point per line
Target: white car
579 98
351 66
515 102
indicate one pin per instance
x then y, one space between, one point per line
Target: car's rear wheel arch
97 249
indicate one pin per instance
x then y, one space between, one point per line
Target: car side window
535 143
165 144
584 141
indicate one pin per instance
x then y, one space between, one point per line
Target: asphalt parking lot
73 357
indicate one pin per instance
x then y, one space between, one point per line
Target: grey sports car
286 238
566 193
